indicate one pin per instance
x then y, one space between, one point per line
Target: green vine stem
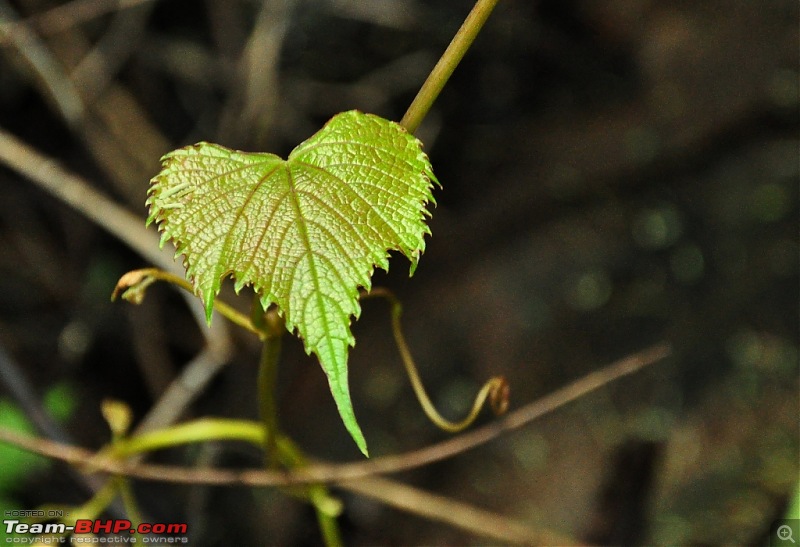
274 328
495 389
118 416
90 510
129 502
327 507
223 429
447 64
201 430
278 450
287 454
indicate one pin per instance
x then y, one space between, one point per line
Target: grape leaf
305 232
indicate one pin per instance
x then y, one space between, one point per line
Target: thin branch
354 477
121 38
76 192
49 74
253 98
406 498
63 17
403 15
336 473
196 375
449 511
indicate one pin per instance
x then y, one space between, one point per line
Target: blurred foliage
18 466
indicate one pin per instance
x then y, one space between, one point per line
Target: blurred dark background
615 174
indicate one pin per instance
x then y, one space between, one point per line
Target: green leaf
305 232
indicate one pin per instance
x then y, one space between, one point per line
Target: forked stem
447 63
495 389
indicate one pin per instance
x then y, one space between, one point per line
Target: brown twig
76 192
478 521
49 74
337 473
355 477
70 14
121 39
449 511
252 102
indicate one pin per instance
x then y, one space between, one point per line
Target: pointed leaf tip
306 232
